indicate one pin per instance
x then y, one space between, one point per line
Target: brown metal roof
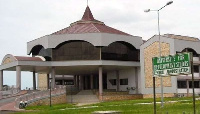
22 58
89 28
88 25
180 37
88 15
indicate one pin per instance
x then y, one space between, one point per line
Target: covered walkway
52 68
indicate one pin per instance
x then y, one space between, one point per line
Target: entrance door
86 82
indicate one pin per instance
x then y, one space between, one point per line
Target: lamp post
158 11
50 91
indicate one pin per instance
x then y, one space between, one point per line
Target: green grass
126 107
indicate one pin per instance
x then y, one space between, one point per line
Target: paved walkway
84 97
10 107
9 103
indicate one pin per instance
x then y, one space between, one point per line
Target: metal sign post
154 90
154 94
192 71
175 65
50 91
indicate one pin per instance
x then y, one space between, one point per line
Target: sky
25 20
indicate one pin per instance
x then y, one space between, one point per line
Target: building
91 55
170 45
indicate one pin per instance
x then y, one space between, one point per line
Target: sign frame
191 67
172 65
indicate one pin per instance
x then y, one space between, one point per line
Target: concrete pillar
91 82
187 83
100 81
136 79
96 82
1 80
78 81
63 80
86 82
199 70
18 77
53 77
34 81
48 81
75 81
81 82
117 80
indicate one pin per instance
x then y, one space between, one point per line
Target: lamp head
170 2
147 10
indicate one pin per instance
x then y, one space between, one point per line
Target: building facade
91 55
170 45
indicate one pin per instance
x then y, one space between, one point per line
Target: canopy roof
10 58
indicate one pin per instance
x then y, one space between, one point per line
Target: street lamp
148 10
50 91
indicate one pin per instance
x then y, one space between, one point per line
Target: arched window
36 49
191 50
120 51
75 50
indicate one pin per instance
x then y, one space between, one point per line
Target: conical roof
87 16
88 24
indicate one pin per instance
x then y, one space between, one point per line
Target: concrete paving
8 104
84 97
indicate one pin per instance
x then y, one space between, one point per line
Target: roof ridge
181 37
96 27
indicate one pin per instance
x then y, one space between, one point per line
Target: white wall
195 58
197 91
130 74
123 74
111 75
195 75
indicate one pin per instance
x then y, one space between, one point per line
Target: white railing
39 95
9 93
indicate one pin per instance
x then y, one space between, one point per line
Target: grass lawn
142 106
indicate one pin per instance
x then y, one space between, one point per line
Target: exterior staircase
84 97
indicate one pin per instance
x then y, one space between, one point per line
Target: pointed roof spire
88 25
87 15
87 2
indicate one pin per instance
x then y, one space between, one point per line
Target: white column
86 82
199 70
1 80
53 77
81 82
48 81
187 83
78 81
96 82
117 80
75 84
18 77
63 80
100 82
136 79
91 82
34 81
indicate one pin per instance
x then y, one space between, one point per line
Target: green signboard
172 65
